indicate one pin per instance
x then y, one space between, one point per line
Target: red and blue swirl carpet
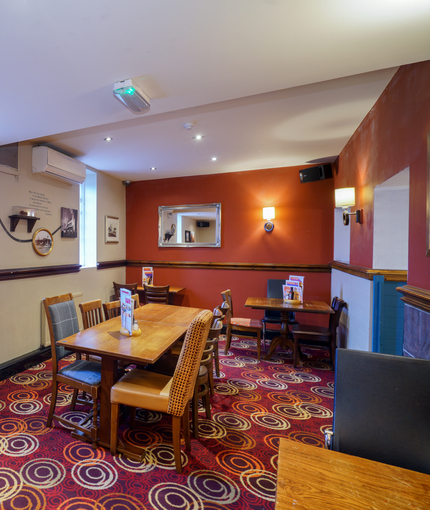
232 466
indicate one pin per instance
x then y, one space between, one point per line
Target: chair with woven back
164 393
305 334
240 324
81 375
112 309
156 294
129 286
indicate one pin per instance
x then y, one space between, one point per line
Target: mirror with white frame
193 226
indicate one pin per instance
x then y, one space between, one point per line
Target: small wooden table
173 290
161 326
285 309
311 478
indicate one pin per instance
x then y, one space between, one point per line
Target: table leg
283 338
109 378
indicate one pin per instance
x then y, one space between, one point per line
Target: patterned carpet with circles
233 465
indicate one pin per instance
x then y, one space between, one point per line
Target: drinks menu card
147 276
127 307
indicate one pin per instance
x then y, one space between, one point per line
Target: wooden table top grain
279 305
312 478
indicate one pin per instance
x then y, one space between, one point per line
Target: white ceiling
269 83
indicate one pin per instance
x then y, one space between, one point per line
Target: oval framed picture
43 242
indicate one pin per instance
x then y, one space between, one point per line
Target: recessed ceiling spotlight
108 139
214 158
153 168
198 137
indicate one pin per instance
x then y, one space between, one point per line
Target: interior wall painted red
303 232
392 137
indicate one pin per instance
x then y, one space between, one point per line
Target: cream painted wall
21 315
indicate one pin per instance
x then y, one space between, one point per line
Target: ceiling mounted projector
131 95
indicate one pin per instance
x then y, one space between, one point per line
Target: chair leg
227 339
186 428
53 402
114 415
264 336
258 344
74 399
216 356
332 349
176 433
195 413
211 378
207 403
94 429
295 350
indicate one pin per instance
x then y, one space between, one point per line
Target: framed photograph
111 229
43 242
188 236
69 222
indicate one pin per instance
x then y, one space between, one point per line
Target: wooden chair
136 300
163 393
128 286
201 391
156 294
319 335
91 313
213 340
112 309
240 324
81 375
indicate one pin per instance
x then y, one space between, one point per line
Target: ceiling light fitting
108 139
131 96
188 125
198 137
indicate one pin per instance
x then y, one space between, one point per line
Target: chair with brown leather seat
91 313
319 335
129 286
163 393
240 324
81 375
112 309
156 294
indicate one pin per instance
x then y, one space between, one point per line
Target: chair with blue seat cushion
81 375
240 324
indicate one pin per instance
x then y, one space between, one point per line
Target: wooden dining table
161 327
312 478
318 307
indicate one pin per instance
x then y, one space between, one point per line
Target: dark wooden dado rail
33 272
389 275
241 266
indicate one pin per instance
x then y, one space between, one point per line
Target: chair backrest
215 329
128 286
136 300
381 408
112 309
337 305
274 290
156 294
228 300
62 321
187 367
91 313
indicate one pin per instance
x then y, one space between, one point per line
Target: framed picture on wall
111 229
69 222
43 242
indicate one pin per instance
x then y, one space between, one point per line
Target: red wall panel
303 231
392 137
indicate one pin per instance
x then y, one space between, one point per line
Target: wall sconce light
268 215
345 197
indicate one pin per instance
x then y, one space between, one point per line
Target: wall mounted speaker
316 173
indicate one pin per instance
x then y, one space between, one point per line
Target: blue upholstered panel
84 371
64 319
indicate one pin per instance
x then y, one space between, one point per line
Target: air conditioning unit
53 164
